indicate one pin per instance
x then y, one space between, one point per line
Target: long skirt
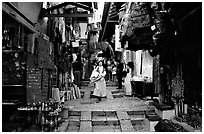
100 88
127 85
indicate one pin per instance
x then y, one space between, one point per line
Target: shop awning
12 11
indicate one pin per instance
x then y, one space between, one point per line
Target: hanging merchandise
124 24
137 26
77 31
138 62
62 28
139 17
163 25
83 27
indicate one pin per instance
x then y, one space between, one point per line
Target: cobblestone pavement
117 113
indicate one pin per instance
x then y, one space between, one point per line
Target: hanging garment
56 94
77 31
138 62
100 89
62 28
147 65
127 84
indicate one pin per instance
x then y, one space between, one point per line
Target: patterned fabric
177 87
156 77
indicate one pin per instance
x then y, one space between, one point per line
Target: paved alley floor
117 113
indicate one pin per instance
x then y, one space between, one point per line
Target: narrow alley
101 66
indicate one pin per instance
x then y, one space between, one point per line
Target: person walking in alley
109 70
127 83
114 69
77 69
99 73
119 74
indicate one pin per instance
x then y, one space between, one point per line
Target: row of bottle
43 106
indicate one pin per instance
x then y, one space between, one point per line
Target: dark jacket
119 68
77 66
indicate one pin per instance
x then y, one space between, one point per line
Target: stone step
108 83
104 113
136 117
73 123
99 119
136 112
126 126
85 126
118 95
73 128
111 119
86 116
74 113
122 115
104 128
74 118
95 123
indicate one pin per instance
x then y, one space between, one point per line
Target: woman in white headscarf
100 84
127 84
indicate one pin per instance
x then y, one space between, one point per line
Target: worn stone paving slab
74 113
117 130
141 125
130 112
74 123
115 123
111 118
73 128
85 126
114 104
122 115
96 123
111 114
86 116
99 118
136 117
126 126
103 128
109 94
98 113
64 126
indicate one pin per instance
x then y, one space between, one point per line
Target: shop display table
142 89
29 114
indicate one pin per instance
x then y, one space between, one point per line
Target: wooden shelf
12 85
11 51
